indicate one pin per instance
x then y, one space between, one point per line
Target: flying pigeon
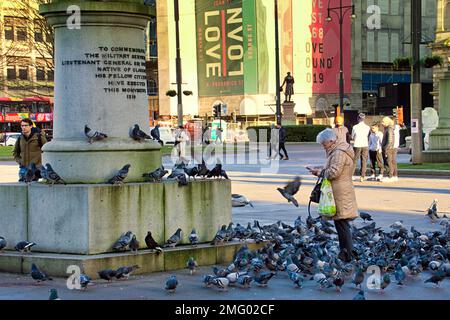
156 175
53 294
174 239
93 135
120 176
50 175
3 243
193 237
191 265
238 200
134 244
125 272
37 275
171 284
107 274
124 241
290 190
152 244
24 246
365 216
139 135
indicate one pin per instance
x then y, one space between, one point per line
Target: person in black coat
282 140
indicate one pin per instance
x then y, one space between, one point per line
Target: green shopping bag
327 206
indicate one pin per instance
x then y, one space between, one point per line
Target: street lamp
340 12
178 64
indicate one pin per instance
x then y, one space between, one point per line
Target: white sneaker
395 179
380 177
387 180
372 177
361 179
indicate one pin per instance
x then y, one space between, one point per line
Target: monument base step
55 264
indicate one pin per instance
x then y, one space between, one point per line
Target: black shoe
344 256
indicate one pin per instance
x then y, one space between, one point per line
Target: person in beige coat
339 170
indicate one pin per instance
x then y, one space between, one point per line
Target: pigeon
207 280
171 284
50 175
125 272
123 242
120 176
152 244
359 296
296 278
221 283
400 275
3 243
202 169
263 278
238 200
182 181
365 216
436 278
156 175
191 172
218 172
139 135
174 239
191 265
24 246
386 282
244 281
31 173
84 281
53 294
338 282
38 275
107 274
432 211
193 237
93 135
220 235
358 277
290 190
134 244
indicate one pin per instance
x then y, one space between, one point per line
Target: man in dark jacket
282 141
155 134
387 147
28 147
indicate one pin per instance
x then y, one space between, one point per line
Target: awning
37 99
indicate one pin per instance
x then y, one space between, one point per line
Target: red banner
15 117
44 117
2 118
325 48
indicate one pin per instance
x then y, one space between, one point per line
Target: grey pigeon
134 244
38 275
263 278
245 281
123 242
290 190
436 278
221 283
53 294
202 169
156 175
432 211
386 282
174 240
365 216
84 281
31 173
218 172
3 243
171 284
120 176
139 135
193 237
400 275
125 272
24 246
207 280
358 277
93 135
359 296
191 172
182 181
152 244
239 200
191 265
220 236
296 278
50 175
107 274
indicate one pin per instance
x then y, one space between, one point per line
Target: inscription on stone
121 70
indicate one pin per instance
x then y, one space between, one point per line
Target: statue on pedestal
289 91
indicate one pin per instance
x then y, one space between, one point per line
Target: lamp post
178 64
340 12
277 65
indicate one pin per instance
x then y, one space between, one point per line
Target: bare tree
28 45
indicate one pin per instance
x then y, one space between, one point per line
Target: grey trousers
388 157
345 235
361 154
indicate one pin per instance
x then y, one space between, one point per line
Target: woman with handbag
338 170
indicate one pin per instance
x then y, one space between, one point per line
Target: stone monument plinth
439 148
289 117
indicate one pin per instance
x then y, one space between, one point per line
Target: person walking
340 130
28 147
339 169
282 141
387 147
360 137
274 142
181 138
375 153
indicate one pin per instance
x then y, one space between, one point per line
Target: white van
10 138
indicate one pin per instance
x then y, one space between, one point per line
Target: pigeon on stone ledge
93 135
120 176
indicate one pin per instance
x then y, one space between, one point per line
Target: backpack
315 194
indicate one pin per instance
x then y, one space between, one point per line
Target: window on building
383 47
9 33
384 6
38 35
153 50
50 75
21 33
382 92
371 46
11 73
23 73
395 46
395 7
40 73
